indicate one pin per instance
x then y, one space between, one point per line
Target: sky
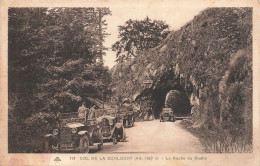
175 17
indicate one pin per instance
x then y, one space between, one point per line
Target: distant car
167 115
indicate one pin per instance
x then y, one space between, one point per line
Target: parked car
74 134
127 118
112 128
167 114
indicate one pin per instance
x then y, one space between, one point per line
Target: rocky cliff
209 60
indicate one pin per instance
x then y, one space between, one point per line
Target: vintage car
167 115
112 128
74 134
127 118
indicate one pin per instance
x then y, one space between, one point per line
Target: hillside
209 60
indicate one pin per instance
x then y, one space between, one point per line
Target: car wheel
120 134
124 135
84 144
132 124
47 148
126 124
114 140
100 146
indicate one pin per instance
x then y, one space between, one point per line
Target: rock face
195 61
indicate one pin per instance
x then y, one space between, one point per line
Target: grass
218 143
227 147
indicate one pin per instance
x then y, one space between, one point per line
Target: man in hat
92 113
82 111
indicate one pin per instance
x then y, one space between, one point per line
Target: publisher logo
57 159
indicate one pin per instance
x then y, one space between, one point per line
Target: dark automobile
112 128
127 118
74 134
167 115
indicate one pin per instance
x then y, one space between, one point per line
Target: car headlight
55 132
74 130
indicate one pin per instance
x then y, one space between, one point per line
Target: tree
52 64
139 35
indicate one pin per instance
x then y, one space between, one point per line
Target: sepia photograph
189 90
111 80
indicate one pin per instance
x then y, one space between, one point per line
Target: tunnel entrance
177 100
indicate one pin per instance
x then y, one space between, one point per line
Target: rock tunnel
177 98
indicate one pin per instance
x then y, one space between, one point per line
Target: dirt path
156 136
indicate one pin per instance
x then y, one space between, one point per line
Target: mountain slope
209 60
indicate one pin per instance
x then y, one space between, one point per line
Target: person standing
92 113
150 113
82 111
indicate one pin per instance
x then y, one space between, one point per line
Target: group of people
84 112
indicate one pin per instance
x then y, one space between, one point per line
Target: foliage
139 35
236 96
211 58
221 66
229 147
52 55
42 121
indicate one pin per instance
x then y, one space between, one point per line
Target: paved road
156 136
